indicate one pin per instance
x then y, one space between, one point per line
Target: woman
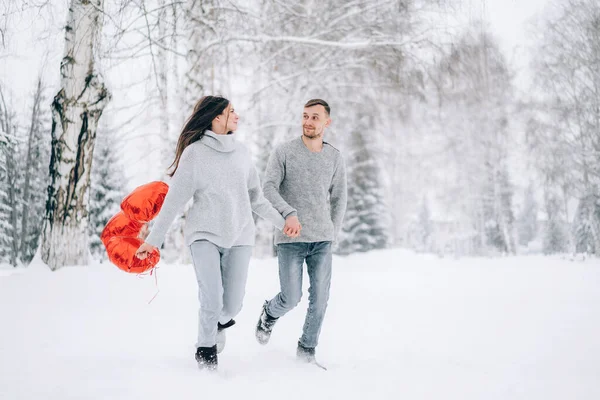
217 171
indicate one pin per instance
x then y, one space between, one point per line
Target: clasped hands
292 226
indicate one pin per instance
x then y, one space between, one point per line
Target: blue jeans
291 258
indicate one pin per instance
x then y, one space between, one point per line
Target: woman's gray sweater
219 173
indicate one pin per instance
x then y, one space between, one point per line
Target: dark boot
221 338
305 354
265 325
207 358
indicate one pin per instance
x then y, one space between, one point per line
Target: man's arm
274 175
338 195
260 205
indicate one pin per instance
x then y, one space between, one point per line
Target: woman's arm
181 189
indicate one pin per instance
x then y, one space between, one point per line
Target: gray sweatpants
221 274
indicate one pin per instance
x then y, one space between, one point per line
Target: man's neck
315 145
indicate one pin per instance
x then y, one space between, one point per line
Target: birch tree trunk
76 110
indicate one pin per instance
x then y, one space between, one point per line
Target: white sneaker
221 340
221 337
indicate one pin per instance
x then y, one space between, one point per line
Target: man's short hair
315 102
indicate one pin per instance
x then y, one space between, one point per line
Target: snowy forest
454 146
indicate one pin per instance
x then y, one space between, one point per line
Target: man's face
314 121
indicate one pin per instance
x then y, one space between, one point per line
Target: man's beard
311 134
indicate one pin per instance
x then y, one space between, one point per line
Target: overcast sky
35 42
508 20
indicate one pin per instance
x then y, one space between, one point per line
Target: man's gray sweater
311 184
219 173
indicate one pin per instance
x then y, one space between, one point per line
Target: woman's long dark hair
205 111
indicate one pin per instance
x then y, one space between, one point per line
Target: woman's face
229 117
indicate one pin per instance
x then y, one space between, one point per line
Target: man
307 175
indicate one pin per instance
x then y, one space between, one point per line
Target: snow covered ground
399 326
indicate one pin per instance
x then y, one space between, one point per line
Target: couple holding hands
305 182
